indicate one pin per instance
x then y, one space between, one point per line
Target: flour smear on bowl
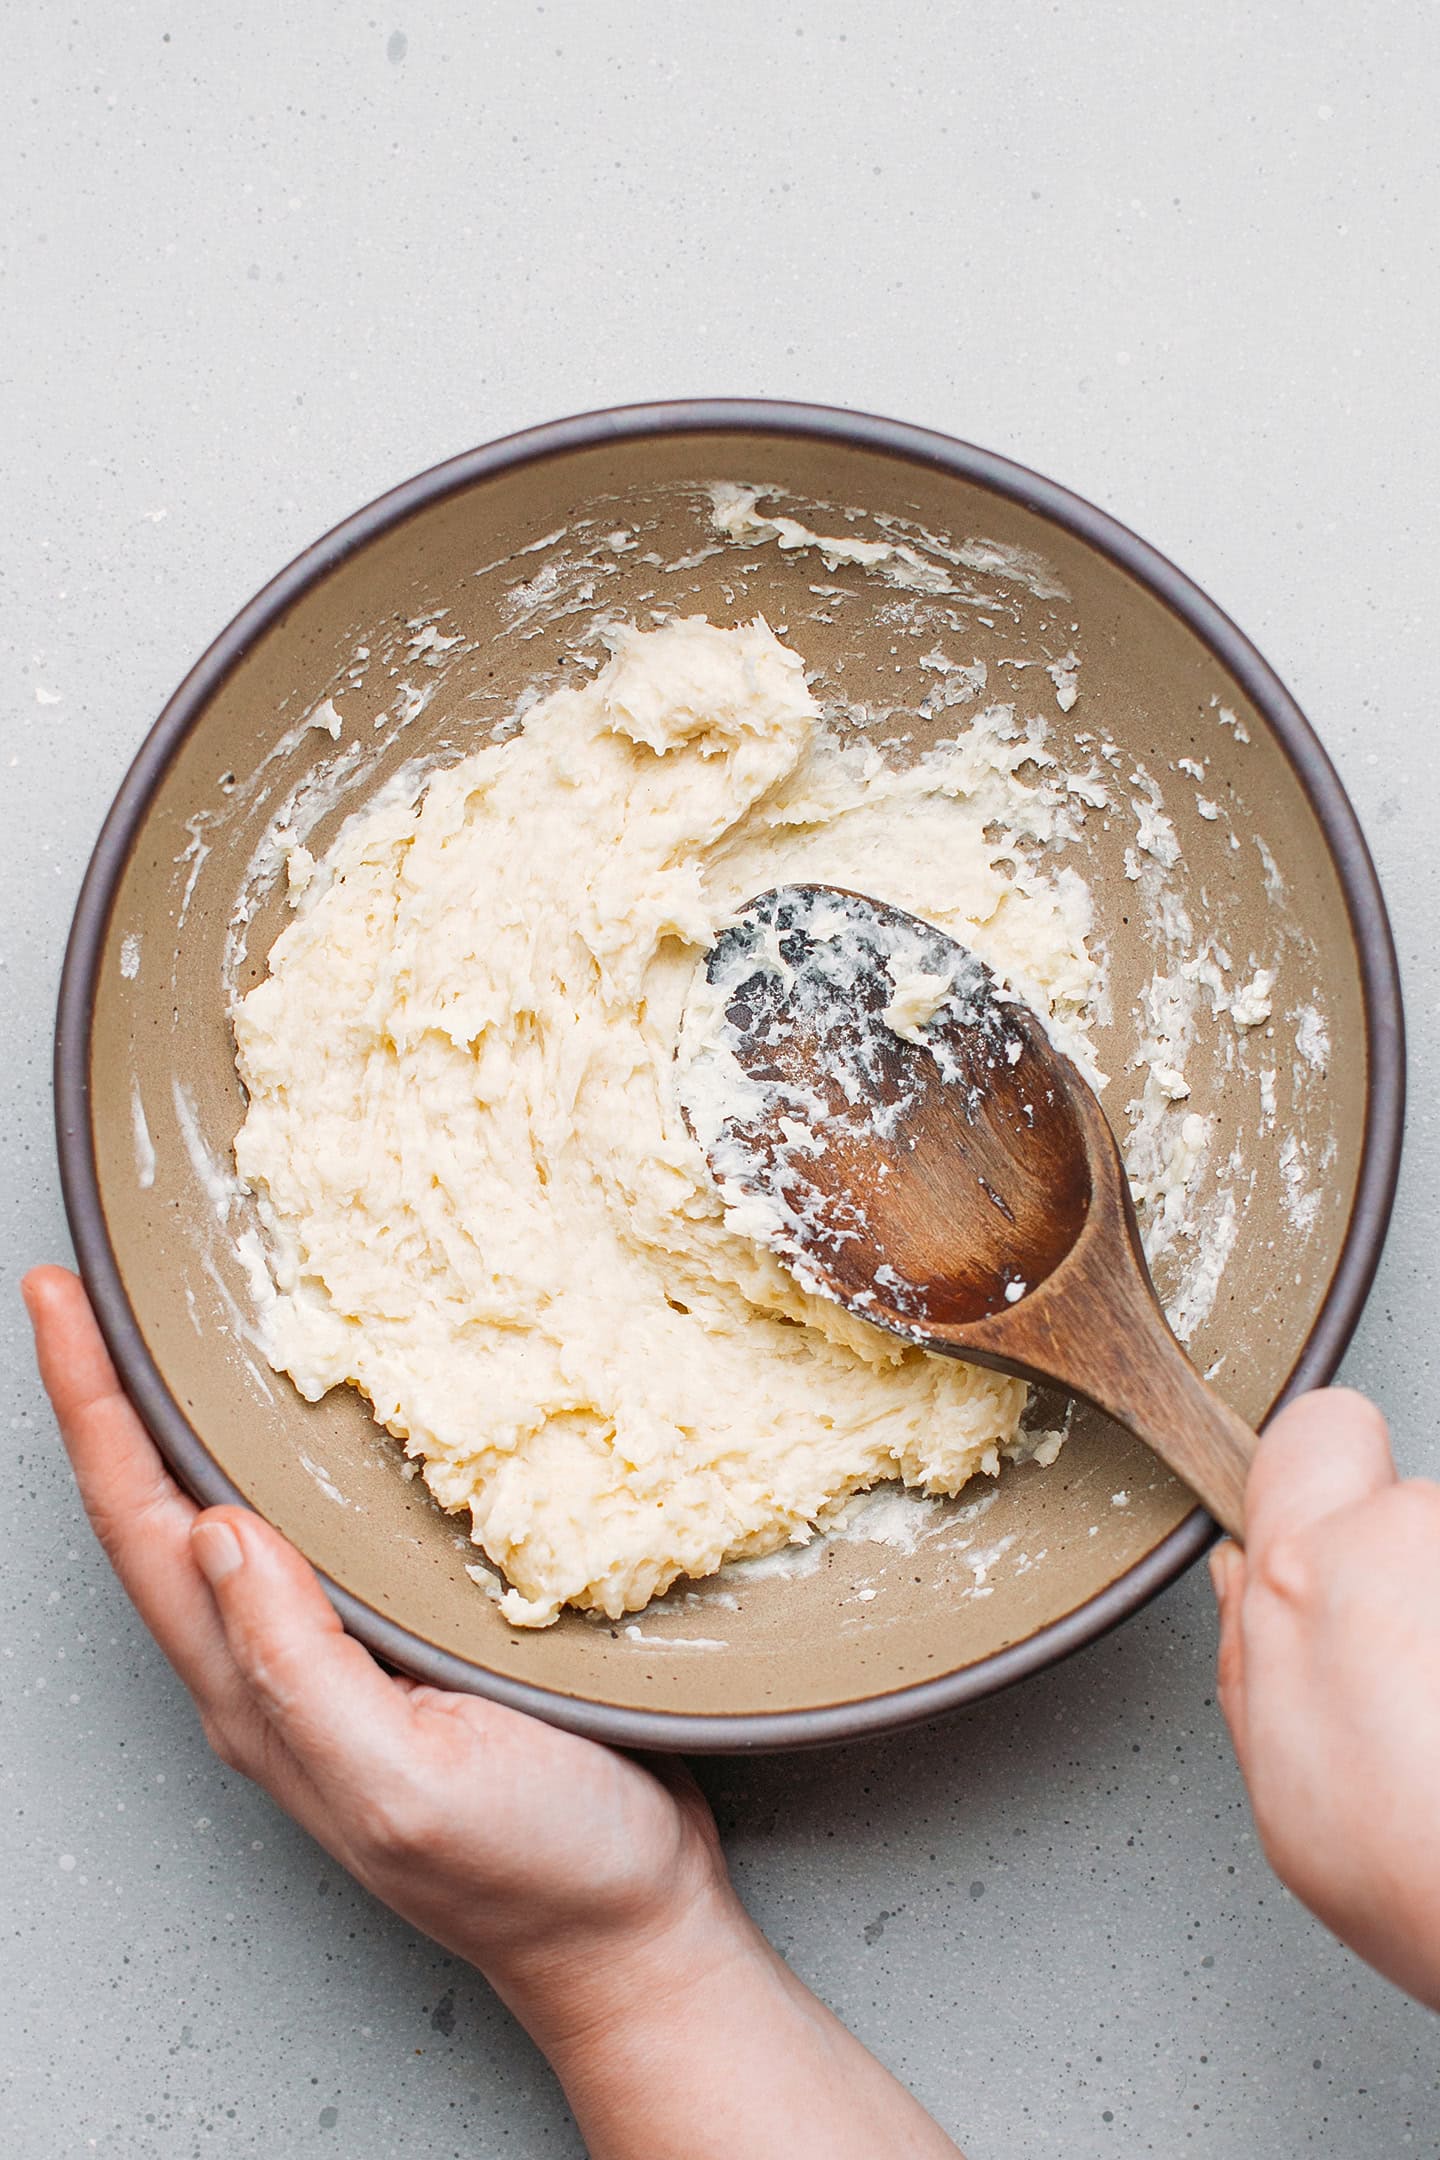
480 1201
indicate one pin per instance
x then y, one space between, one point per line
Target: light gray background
257 270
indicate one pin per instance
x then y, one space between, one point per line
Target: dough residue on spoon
484 1207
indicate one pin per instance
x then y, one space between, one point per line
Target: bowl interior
437 631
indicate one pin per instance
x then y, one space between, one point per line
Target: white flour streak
323 1479
1301 1205
217 1181
1312 1037
1065 674
144 1145
674 1642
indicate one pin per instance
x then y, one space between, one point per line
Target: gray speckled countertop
255 271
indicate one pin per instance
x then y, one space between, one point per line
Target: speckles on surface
433 252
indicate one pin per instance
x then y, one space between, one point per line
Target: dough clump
483 1207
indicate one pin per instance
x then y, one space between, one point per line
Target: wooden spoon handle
1107 1337
1154 1390
1096 1328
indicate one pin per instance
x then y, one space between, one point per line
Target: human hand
526 1850
588 1888
1330 1679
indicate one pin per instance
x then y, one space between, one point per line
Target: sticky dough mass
483 1205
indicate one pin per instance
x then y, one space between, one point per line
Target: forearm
704 2044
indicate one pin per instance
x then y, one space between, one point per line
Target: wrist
697 2038
574 1992
685 2040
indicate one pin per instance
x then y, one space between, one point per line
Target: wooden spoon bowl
957 1183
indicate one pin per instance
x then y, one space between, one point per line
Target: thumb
1324 1452
321 1690
1227 1573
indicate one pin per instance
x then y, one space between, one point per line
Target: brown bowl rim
726 1732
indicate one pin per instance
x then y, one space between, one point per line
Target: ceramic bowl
424 623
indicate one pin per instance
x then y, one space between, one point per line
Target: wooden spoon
957 1183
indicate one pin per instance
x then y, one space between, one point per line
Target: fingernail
217 1549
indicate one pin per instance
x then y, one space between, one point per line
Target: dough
483 1207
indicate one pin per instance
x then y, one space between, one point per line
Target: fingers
285 1696
138 1513
1227 1573
1323 1452
328 1701
1326 1452
75 1366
